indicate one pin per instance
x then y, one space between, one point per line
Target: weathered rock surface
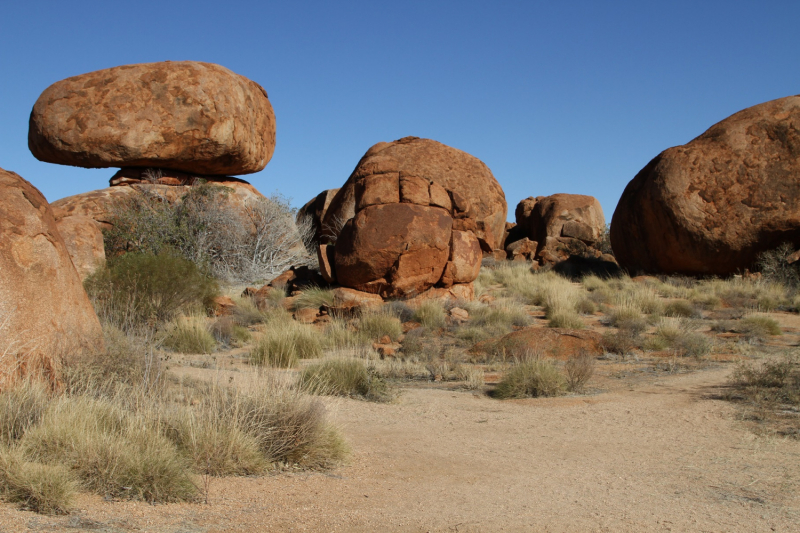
184 115
395 250
84 241
710 206
464 263
44 311
475 193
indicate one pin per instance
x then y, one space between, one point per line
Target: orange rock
184 115
712 205
306 315
84 241
44 311
414 190
326 257
378 189
223 306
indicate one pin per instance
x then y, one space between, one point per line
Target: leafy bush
345 377
135 289
530 379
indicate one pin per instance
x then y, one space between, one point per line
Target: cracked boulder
403 171
709 207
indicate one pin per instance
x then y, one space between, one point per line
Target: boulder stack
711 206
44 311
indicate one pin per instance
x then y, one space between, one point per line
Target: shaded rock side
183 115
44 311
311 215
469 179
394 250
712 205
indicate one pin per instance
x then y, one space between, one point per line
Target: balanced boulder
184 115
475 197
712 205
44 311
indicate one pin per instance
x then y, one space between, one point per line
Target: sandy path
662 457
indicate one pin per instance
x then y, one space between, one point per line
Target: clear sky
556 96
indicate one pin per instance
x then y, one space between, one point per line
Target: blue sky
569 96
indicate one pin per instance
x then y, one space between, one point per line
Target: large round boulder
44 311
184 115
477 199
394 249
712 205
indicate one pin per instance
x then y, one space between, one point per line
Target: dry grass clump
430 314
400 369
771 390
747 293
374 324
502 316
111 450
680 336
565 319
190 335
757 327
21 407
680 308
314 298
579 370
474 378
228 333
530 379
45 489
246 312
281 346
340 335
345 377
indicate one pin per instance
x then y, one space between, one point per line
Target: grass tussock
345 377
314 298
190 335
757 327
374 324
44 489
770 391
430 314
228 333
579 370
281 347
530 379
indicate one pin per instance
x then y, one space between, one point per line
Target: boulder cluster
550 229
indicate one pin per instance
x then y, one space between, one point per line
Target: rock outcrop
477 200
552 228
44 311
184 115
712 205
84 241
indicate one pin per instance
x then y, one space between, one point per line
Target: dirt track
664 456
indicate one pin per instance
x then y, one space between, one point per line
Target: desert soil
655 453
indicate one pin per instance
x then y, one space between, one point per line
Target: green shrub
530 379
190 335
45 489
345 377
430 314
133 290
